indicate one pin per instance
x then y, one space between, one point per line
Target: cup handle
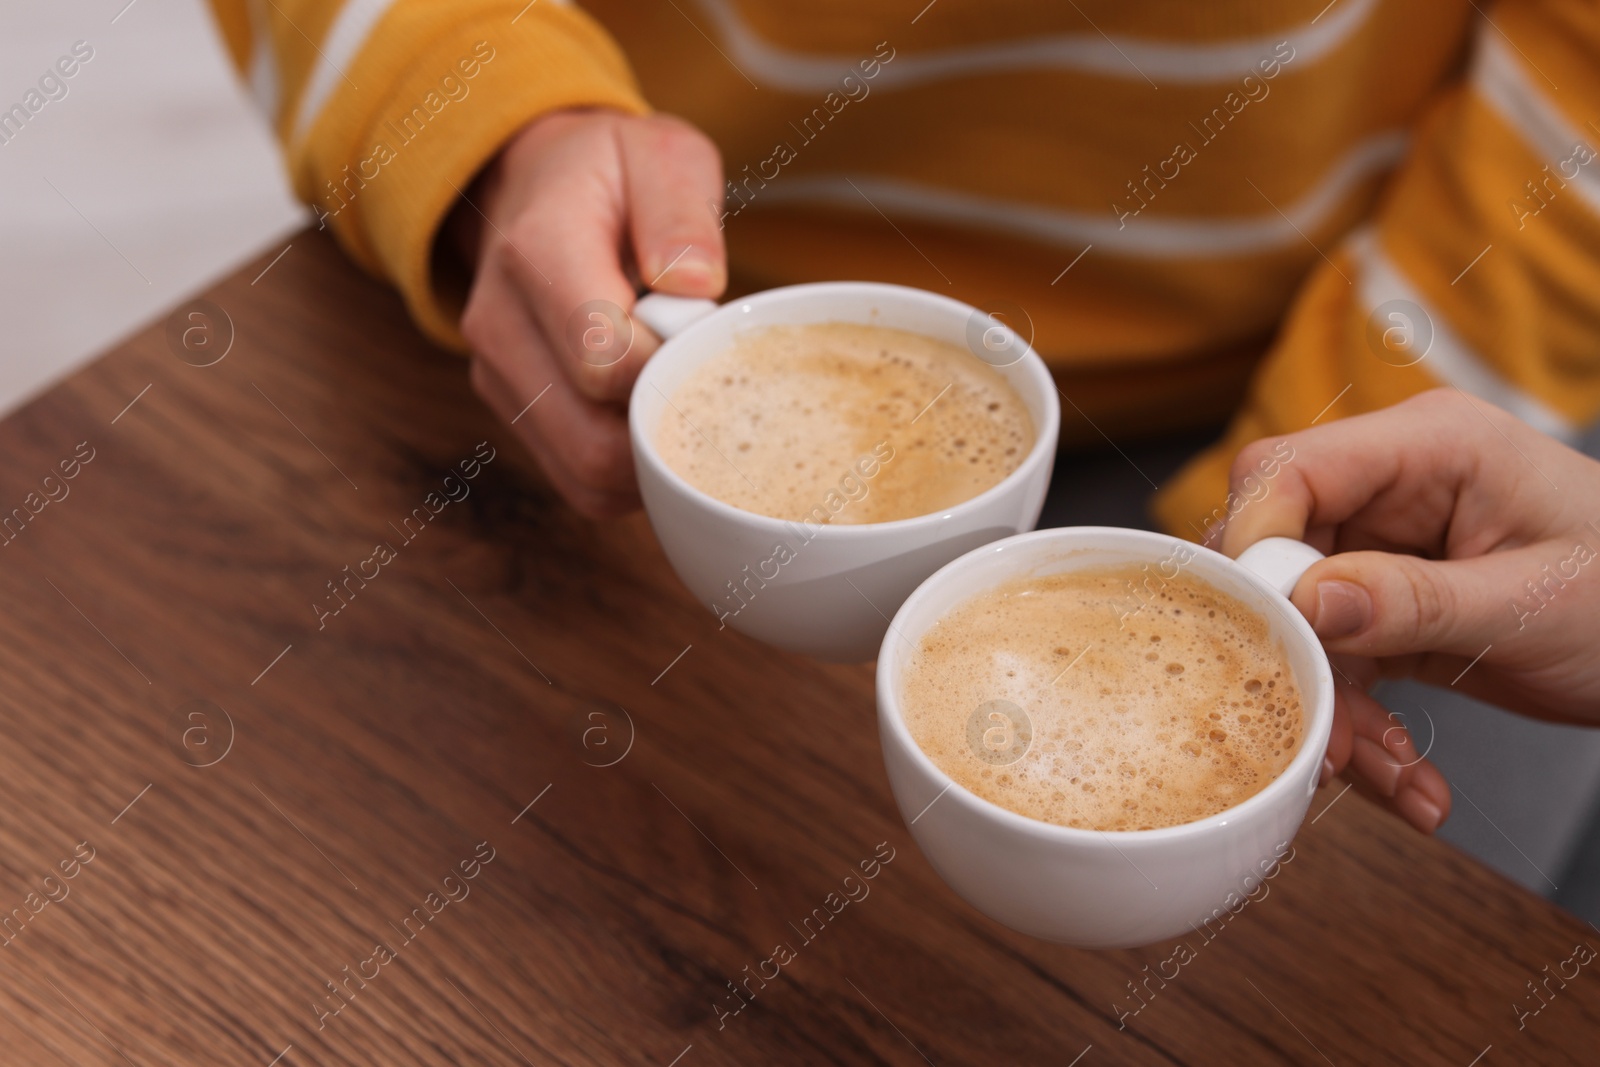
668 315
1279 560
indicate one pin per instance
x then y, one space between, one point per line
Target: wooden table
637 808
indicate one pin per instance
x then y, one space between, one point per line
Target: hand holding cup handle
1279 561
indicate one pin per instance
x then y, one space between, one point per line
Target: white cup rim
1317 697
644 448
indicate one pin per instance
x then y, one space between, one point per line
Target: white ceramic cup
833 597
1092 888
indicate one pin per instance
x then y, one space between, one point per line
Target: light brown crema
1184 710
843 423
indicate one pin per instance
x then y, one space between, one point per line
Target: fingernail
1343 608
1397 743
692 264
1419 811
1376 766
1327 771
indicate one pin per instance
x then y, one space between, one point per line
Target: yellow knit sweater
1290 211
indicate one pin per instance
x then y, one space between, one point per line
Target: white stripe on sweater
1448 358
336 53
1500 79
1149 236
1090 52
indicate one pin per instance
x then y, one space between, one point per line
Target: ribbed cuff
403 147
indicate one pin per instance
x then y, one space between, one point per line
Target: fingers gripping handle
1279 560
667 315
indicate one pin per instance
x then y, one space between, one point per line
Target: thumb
1381 604
674 189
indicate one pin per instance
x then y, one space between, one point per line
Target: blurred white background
156 145
154 176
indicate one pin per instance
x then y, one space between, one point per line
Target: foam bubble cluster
786 417
1149 706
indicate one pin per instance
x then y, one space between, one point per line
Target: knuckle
1445 403
498 257
1249 459
595 506
668 125
506 256
1440 402
475 329
1431 601
587 505
593 378
594 460
702 143
478 377
676 135
597 383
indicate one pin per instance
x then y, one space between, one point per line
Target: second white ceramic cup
1092 888
832 589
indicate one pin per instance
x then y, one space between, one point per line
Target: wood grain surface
523 762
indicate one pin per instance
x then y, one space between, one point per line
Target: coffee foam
1187 709
780 424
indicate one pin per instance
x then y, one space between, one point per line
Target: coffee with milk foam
780 424
1046 696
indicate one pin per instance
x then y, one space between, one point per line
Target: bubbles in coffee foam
1188 710
784 419
999 732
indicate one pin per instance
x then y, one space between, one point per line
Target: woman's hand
1464 551
579 210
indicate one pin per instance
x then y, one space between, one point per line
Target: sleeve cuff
388 173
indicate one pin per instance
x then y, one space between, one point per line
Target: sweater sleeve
1480 269
387 109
